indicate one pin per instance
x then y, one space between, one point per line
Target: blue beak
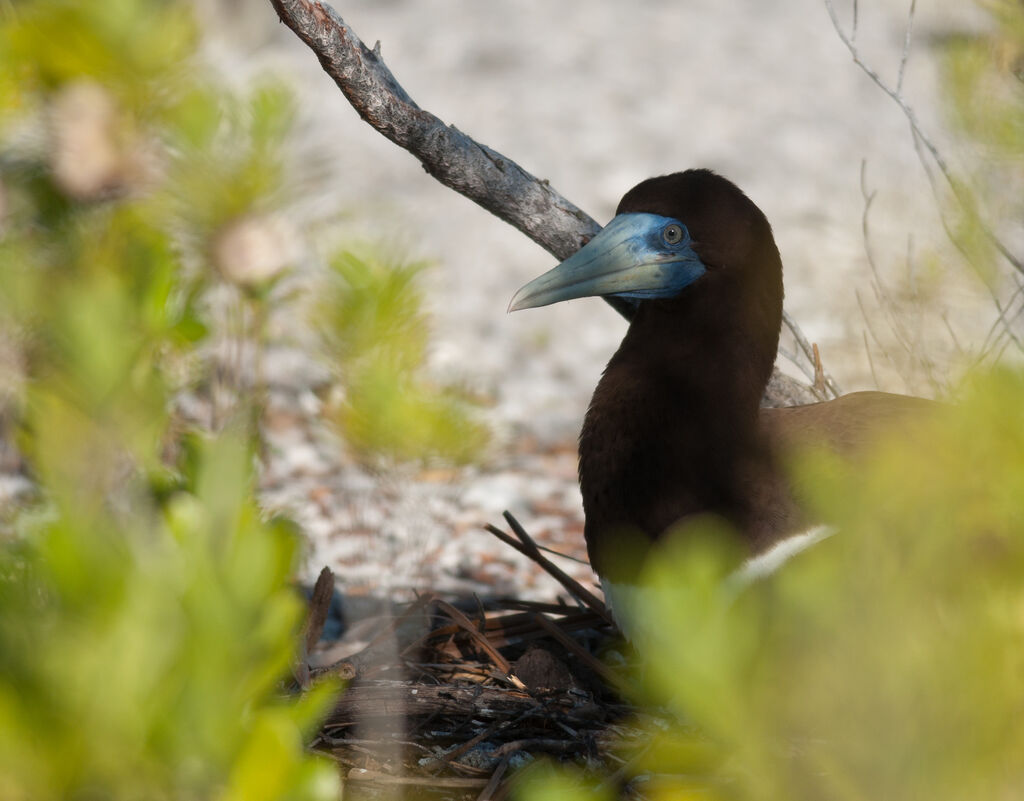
638 256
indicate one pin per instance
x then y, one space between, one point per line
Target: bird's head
676 235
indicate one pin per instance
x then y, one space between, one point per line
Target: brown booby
674 429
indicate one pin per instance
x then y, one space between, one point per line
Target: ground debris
448 699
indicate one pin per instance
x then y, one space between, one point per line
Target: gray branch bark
472 169
459 162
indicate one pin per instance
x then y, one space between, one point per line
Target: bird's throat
672 430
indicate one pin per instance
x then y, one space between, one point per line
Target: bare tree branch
472 169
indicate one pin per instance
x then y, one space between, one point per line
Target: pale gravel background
593 96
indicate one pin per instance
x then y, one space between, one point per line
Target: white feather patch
625 602
764 564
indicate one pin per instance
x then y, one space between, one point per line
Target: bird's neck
672 430
710 361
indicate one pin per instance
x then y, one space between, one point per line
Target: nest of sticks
444 700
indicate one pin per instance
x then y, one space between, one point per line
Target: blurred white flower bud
86 158
253 250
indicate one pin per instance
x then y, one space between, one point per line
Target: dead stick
546 744
500 662
492 784
571 585
528 547
513 628
319 607
373 777
455 753
819 370
581 653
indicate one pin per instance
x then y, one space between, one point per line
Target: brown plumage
674 428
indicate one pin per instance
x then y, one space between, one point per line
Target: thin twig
1001 319
819 371
878 343
952 334
570 584
955 240
366 742
561 555
516 628
574 647
801 364
908 33
362 775
871 362
920 135
928 154
467 625
528 547
611 783
560 608
472 742
876 283
808 351
887 306
487 794
547 744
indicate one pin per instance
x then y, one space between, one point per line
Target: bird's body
674 428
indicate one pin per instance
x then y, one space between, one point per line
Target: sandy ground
594 97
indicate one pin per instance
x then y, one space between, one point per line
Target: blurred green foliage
375 305
141 647
229 155
884 662
983 79
376 331
131 47
146 615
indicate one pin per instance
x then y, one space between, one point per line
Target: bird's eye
673 234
